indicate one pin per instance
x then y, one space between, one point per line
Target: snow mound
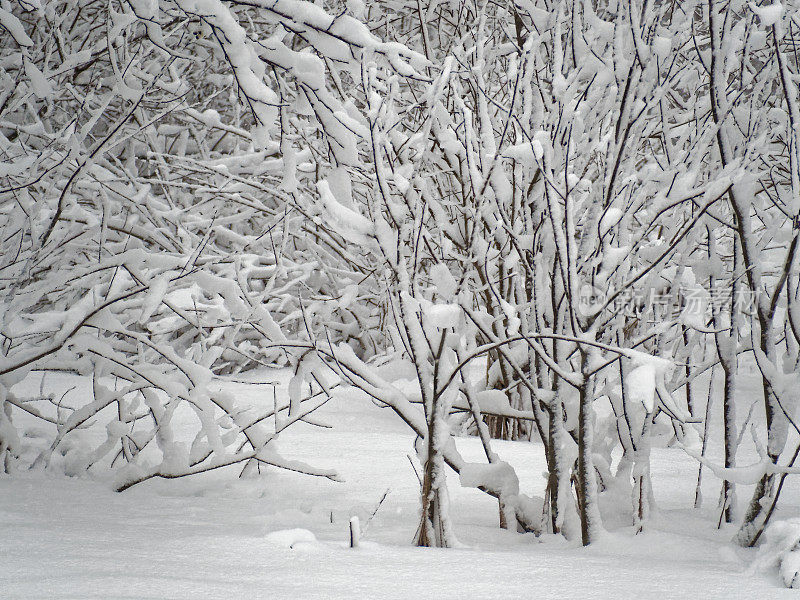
781 549
291 538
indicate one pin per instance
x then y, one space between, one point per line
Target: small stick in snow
377 507
411 461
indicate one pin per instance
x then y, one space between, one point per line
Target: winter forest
291 289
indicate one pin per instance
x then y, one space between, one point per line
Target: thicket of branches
542 206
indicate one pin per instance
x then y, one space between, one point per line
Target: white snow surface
286 535
642 384
443 315
769 14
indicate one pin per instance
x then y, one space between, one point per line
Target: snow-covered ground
216 536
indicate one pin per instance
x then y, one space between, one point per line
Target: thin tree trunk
434 529
587 480
731 439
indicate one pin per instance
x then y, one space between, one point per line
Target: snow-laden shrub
150 155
